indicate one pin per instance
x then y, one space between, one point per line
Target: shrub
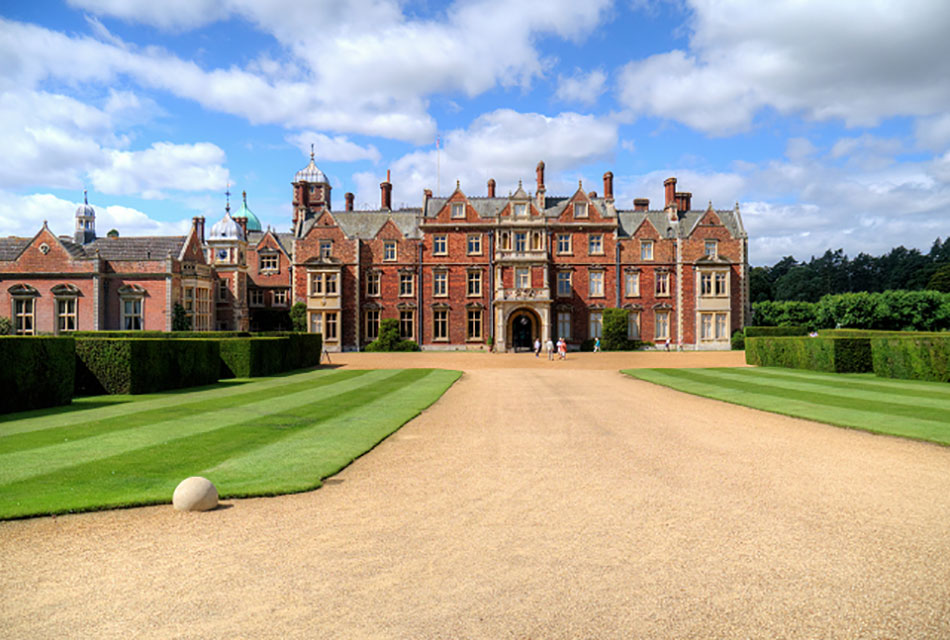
838 355
916 357
389 340
131 365
43 374
180 319
738 340
6 326
786 313
253 357
298 316
896 310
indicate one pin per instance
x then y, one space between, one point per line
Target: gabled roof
366 224
136 248
12 246
688 221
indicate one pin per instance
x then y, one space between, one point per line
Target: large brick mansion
461 271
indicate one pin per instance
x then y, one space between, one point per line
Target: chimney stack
670 185
386 193
349 200
491 187
592 195
683 200
541 176
641 204
241 220
609 186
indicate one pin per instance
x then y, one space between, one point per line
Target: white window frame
372 284
269 262
711 248
63 317
407 319
595 244
458 210
580 210
390 251
596 324
474 284
522 277
371 324
595 284
24 312
255 297
631 284
520 209
564 285
661 330
521 241
646 250
564 324
440 284
440 245
473 324
407 285
633 325
564 244
662 284
280 297
440 325
126 318
326 249
473 244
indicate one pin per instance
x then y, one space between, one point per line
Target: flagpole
438 167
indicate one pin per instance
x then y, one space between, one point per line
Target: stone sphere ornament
195 494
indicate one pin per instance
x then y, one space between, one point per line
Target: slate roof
366 224
11 247
631 220
135 248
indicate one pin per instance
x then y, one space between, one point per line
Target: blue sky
829 123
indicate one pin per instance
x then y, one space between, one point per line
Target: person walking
561 349
537 347
597 345
549 347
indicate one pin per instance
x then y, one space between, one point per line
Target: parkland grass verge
251 438
911 409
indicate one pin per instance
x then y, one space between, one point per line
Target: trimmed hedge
836 355
759 332
870 333
133 365
267 354
916 357
38 373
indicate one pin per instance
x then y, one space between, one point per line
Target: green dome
253 224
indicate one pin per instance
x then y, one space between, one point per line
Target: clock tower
227 251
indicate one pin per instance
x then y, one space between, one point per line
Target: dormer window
521 210
580 209
389 252
712 249
458 209
326 249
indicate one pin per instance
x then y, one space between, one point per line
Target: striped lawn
273 435
912 409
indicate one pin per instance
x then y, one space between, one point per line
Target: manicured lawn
912 409
263 437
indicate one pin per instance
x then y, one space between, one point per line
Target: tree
298 316
940 280
615 330
180 319
760 284
389 340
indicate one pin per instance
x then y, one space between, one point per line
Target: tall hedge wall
144 365
838 355
38 372
919 357
253 357
756 332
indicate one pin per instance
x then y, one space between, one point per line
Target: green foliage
298 316
775 332
888 311
253 357
38 373
786 313
836 355
389 340
916 357
940 280
180 319
738 340
615 331
6 326
130 365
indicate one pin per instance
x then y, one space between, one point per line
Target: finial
244 195
457 186
85 196
311 152
44 223
227 193
580 184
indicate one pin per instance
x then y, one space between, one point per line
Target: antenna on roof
311 152
85 196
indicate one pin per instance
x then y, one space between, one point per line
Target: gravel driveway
534 500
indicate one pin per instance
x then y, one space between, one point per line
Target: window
536 241
257 297
663 284
721 284
596 284
440 283
713 326
280 297
331 284
407 323
372 283
458 209
326 249
563 243
564 324
439 245
522 278
406 281
324 284
132 314
222 290
389 251
371 324
474 244
580 209
563 283
722 326
631 284
521 241
646 250
712 248
661 328
440 324
596 324
505 241
269 262
188 299
595 244
633 325
474 324
474 284
66 314
706 284
316 323
521 210
331 333
202 317
23 315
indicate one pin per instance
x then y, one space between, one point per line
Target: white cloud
584 88
846 60
164 166
505 145
933 133
334 149
23 215
168 14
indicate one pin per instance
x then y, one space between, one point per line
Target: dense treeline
835 273
883 311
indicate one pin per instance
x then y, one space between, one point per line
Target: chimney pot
609 185
540 171
670 185
349 200
491 187
386 193
641 204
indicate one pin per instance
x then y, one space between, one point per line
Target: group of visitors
549 347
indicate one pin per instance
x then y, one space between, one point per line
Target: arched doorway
523 327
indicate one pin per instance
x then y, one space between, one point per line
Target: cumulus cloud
334 149
584 88
163 166
845 60
505 145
